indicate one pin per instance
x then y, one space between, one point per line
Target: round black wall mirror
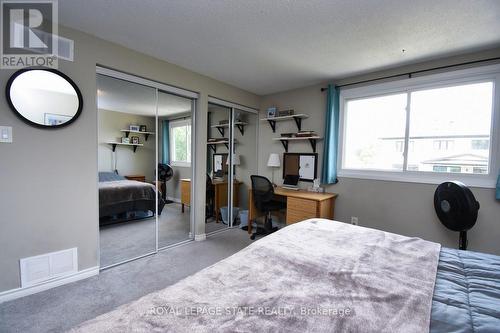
44 97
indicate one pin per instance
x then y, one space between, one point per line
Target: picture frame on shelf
272 111
134 140
143 128
134 128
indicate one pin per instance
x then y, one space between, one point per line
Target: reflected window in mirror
180 142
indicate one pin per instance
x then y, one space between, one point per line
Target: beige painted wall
48 178
399 207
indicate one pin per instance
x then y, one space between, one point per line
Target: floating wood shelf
297 117
221 128
312 141
146 134
213 144
135 145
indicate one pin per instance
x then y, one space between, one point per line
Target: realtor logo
29 31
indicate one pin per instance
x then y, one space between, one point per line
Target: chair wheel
252 237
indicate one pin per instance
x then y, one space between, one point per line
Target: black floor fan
457 208
165 172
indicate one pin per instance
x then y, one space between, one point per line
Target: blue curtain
165 154
329 171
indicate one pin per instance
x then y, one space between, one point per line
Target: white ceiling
123 96
266 46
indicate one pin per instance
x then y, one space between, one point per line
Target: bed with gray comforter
118 195
324 276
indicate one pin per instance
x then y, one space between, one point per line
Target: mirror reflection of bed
135 141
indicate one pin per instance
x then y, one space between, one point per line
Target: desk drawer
304 206
186 193
294 216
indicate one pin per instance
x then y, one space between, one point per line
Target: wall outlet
354 220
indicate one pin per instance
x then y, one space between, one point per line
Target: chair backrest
262 191
209 186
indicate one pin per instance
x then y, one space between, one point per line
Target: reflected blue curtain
498 187
329 170
165 153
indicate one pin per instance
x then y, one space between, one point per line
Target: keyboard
294 188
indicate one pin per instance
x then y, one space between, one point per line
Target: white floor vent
45 267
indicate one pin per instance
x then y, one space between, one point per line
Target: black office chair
210 199
263 193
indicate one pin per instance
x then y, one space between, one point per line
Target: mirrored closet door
175 169
217 190
244 163
231 160
146 164
128 199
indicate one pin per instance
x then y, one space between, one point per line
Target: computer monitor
291 180
303 165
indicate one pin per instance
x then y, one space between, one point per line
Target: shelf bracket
135 148
241 128
313 144
227 145
285 145
114 146
273 124
221 131
213 147
298 121
126 134
146 135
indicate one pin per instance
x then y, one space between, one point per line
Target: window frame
489 73
171 125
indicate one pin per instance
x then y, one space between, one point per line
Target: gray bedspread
314 276
125 195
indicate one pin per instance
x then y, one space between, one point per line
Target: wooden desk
220 196
300 205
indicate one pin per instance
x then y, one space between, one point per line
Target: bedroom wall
399 207
142 162
48 178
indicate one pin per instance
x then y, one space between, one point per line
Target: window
422 131
443 144
180 142
373 125
480 144
399 146
439 168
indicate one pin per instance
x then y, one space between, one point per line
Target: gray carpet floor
126 240
61 308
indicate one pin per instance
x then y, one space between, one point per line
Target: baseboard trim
200 237
12 294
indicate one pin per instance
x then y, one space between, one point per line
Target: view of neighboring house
460 153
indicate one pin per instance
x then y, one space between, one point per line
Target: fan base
462 240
